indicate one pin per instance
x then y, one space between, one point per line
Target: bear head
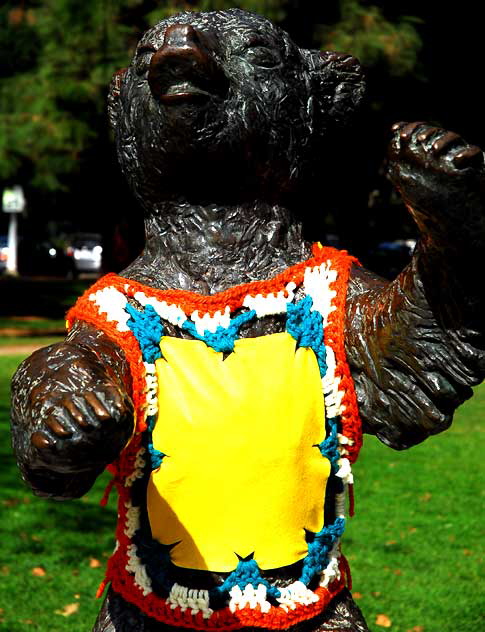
223 105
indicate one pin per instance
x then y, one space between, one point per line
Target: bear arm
53 390
414 347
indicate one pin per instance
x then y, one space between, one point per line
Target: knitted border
276 618
334 336
232 297
131 586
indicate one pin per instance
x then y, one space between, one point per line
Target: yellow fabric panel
242 473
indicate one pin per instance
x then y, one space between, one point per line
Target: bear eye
143 57
262 56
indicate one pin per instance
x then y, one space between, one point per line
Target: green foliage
365 32
53 297
171 8
19 41
272 9
51 111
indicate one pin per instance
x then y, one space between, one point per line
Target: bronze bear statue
226 375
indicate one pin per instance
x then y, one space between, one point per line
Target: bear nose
182 42
184 66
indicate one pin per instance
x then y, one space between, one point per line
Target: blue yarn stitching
329 446
246 572
223 338
147 328
317 557
156 558
156 456
306 328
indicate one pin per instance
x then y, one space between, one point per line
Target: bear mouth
184 92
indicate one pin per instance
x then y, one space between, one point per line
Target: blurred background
414 545
422 61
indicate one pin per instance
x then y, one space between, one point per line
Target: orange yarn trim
335 338
232 297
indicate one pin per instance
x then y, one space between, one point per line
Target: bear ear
337 84
114 96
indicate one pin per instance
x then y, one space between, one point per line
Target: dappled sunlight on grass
416 542
48 547
414 545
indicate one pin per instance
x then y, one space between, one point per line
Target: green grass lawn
415 545
32 324
41 341
52 554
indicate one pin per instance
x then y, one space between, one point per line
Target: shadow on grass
75 523
34 529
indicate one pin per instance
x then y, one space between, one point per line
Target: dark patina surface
226 132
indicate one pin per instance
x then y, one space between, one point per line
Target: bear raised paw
226 376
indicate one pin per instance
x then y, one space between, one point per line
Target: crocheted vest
240 459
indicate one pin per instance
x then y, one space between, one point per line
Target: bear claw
471 156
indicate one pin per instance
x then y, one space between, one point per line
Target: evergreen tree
364 31
52 108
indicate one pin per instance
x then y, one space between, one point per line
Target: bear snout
184 67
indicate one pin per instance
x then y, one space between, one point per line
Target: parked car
86 252
390 257
43 258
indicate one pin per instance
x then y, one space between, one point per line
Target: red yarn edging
276 619
334 337
232 297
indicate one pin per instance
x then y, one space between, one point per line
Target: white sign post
13 202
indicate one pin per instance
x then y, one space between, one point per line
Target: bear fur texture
226 131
